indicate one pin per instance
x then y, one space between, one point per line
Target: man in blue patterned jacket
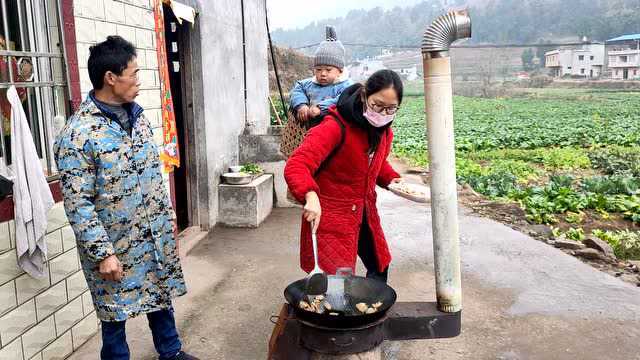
118 207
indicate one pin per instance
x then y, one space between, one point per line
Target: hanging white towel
31 194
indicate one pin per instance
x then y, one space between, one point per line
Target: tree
527 60
541 50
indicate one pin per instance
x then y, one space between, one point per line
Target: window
581 71
568 67
32 60
581 57
623 59
591 57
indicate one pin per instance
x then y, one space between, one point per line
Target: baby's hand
303 113
314 111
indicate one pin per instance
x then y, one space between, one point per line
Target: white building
586 61
410 73
624 57
361 70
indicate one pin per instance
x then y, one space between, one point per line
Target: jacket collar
91 106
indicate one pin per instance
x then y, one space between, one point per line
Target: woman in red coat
334 173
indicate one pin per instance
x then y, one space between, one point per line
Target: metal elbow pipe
444 31
442 157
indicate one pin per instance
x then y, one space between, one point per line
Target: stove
294 339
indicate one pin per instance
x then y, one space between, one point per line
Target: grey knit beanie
330 52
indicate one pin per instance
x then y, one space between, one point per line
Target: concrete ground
522 298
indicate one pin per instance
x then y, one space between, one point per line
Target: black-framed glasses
389 110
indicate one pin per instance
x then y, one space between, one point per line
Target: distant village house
624 57
584 61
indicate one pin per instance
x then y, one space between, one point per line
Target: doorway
175 38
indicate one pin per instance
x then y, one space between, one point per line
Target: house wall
225 112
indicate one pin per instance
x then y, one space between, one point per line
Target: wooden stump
375 354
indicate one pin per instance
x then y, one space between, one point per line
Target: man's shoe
184 356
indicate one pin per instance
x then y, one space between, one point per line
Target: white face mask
376 119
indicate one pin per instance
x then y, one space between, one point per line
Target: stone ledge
260 148
246 205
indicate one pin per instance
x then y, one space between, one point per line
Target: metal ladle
317 279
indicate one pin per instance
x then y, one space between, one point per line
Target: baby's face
326 74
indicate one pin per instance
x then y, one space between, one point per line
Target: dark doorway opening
175 37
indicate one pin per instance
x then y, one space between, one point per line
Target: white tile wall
54 244
87 303
85 30
59 349
5 237
34 340
9 269
69 315
16 321
114 11
7 297
56 217
152 59
63 266
51 300
27 287
127 32
145 38
76 285
133 15
68 238
104 29
12 233
84 329
12 351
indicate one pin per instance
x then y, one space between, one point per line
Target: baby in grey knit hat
311 98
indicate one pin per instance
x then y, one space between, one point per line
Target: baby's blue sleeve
298 96
339 88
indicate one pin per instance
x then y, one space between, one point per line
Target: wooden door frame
193 115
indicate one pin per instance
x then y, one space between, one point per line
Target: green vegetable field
568 158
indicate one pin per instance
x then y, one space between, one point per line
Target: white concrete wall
257 76
223 89
220 24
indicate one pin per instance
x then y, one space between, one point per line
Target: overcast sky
290 14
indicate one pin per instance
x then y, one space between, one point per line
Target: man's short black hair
112 55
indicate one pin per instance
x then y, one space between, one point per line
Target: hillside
494 21
292 66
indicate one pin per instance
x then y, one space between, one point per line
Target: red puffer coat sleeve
319 142
386 175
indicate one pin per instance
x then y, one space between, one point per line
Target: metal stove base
404 321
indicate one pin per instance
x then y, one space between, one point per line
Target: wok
357 289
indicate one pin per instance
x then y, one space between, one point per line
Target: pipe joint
444 31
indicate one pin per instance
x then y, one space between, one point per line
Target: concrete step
246 205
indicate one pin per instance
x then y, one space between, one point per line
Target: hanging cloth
170 154
31 193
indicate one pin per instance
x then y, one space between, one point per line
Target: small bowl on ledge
238 178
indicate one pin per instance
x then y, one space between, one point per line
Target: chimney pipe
438 91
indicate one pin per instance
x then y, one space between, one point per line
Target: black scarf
351 107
